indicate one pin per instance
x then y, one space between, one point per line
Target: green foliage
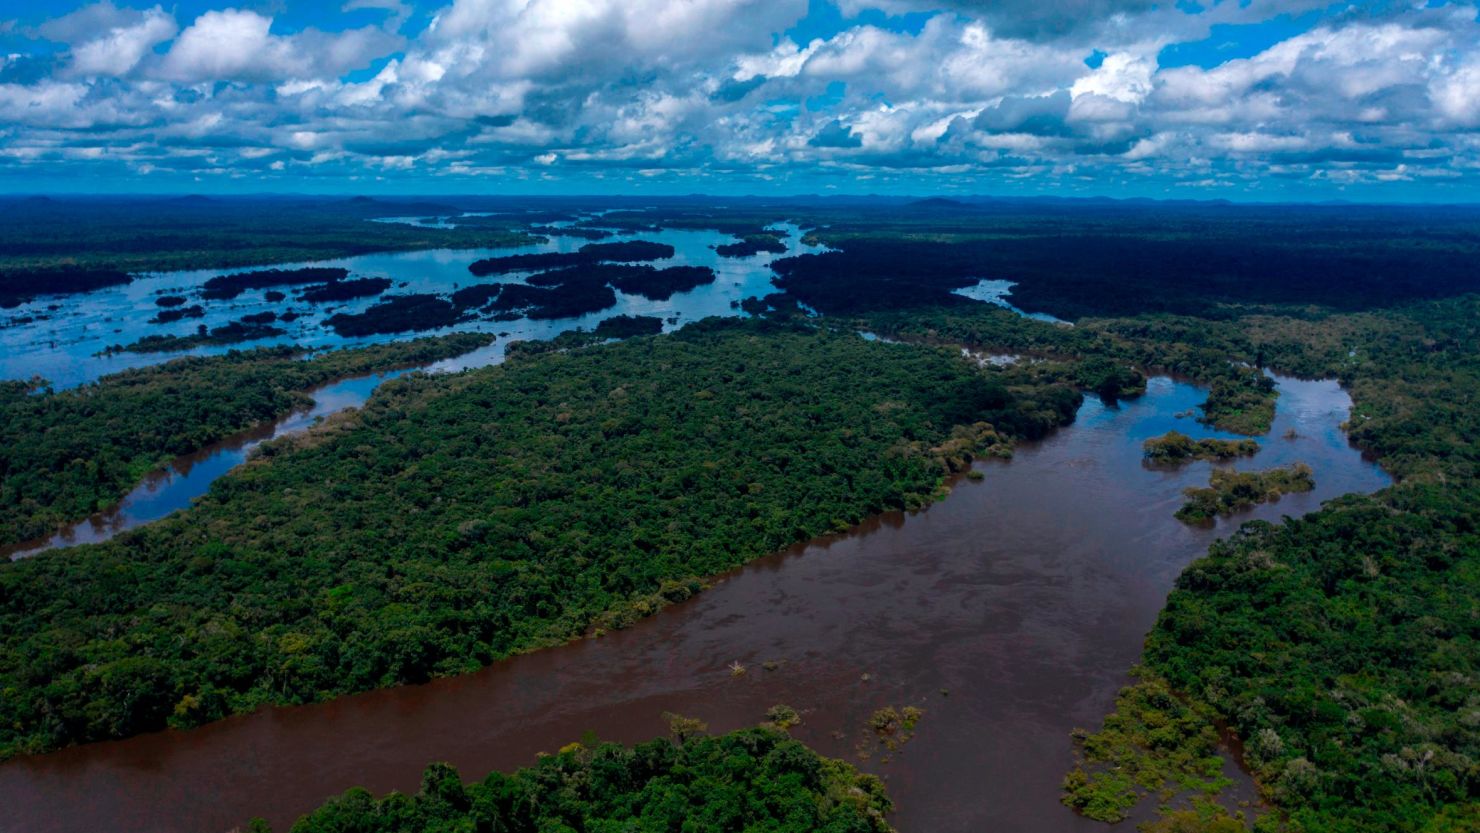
627 326
1106 351
1110 380
67 454
1414 374
1202 817
457 519
1152 743
783 716
750 781
1233 491
1174 447
1345 649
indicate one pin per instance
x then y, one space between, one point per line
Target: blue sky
1193 99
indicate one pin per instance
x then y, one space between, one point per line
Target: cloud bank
1256 97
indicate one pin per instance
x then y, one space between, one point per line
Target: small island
750 245
227 287
1231 491
627 251
1176 448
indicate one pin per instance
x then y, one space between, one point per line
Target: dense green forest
750 781
579 487
1344 647
66 454
1217 354
457 519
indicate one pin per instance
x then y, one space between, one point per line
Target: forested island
627 251
234 332
344 290
750 245
1230 491
227 287
397 314
753 780
1174 448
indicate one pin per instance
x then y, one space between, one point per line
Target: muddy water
1023 597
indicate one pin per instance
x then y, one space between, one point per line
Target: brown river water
1010 611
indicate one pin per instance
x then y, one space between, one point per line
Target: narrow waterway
175 486
1010 612
68 346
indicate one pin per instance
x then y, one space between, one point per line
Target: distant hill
937 202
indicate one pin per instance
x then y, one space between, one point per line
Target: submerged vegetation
1174 447
750 781
458 519
67 454
1233 491
1153 744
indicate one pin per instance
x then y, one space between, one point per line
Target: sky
1267 100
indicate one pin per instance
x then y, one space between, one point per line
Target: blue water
65 348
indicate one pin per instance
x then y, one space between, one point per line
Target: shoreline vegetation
752 779
1175 448
466 487
1229 491
1341 647
86 447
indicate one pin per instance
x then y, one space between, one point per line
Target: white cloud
238 45
546 85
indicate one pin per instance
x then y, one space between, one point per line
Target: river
1009 611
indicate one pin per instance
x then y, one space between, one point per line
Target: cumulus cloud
106 40
715 88
238 45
